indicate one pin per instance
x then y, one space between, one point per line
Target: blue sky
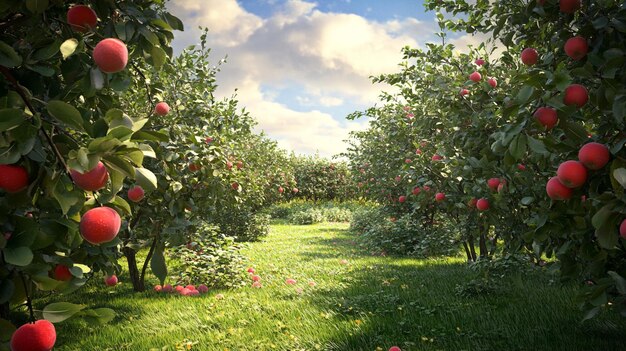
301 66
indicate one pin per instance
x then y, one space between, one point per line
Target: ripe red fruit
136 193
162 109
168 288
436 158
398 178
622 229
463 92
402 199
208 140
158 288
594 155
556 190
479 62
280 189
100 225
295 190
92 180
529 56
418 151
426 188
408 160
202 289
576 94
82 18
482 204
569 6
13 179
521 167
493 183
38 336
239 164
440 197
475 77
111 281
416 190
235 185
547 117
493 82
62 272
194 167
229 165
111 55
576 47
572 174
394 348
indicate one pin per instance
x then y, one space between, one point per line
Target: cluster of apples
189 290
282 190
256 279
476 77
573 174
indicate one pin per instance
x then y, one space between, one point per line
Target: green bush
309 216
213 259
243 225
381 233
335 214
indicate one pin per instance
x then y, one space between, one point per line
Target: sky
300 66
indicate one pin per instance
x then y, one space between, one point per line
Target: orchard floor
370 303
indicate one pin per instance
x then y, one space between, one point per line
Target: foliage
300 211
318 178
212 259
243 224
309 216
60 112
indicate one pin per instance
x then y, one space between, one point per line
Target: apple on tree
529 56
100 225
82 18
13 178
111 55
92 180
38 336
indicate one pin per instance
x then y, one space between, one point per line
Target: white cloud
327 56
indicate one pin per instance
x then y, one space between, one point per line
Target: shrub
244 225
309 216
213 259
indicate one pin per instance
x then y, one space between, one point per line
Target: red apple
162 109
594 155
475 77
208 140
569 6
239 164
576 95
13 178
529 56
436 158
521 167
62 272
426 188
463 92
479 62
472 202
100 225
82 18
38 336
408 160
194 167
229 165
295 190
482 204
440 197
398 179
547 117
418 151
622 229
110 55
235 185
111 281
136 193
416 190
576 48
572 174
394 348
402 199
280 189
493 183
92 180
557 191
493 82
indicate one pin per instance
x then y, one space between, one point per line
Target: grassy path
370 303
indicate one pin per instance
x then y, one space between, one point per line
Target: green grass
371 303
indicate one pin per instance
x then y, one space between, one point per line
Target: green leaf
10 118
620 282
47 52
7 288
59 311
620 175
150 135
527 200
151 37
122 204
591 313
524 94
517 148
158 57
537 146
575 131
68 48
120 165
98 316
146 179
602 216
37 6
8 57
19 256
45 283
157 263
66 113
6 330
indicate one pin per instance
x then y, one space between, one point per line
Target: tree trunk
470 241
467 252
133 271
